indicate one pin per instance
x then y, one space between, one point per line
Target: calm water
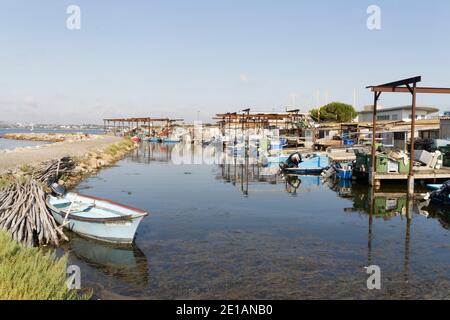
12 144
18 130
238 231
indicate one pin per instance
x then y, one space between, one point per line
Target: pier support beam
413 135
373 166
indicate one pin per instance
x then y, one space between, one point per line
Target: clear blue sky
174 58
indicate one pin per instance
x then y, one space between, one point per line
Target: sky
193 59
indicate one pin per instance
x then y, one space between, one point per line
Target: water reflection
234 228
128 264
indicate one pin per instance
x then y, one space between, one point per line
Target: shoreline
88 160
47 137
81 147
90 155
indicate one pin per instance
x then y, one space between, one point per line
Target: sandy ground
34 155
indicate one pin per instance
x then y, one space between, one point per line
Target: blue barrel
349 142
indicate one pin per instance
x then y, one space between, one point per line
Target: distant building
402 113
444 132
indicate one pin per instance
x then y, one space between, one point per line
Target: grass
6 180
27 169
30 274
115 148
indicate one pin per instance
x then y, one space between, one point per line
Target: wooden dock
419 174
429 174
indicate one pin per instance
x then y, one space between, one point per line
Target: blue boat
154 139
173 140
314 164
96 218
433 187
343 172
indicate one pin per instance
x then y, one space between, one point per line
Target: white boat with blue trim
96 218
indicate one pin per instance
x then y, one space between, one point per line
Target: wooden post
373 166
411 152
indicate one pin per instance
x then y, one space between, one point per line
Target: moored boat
343 171
344 174
311 164
136 139
171 139
154 139
96 218
440 192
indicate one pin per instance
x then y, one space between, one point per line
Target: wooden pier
402 86
429 174
432 175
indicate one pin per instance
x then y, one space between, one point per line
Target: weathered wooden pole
411 152
373 167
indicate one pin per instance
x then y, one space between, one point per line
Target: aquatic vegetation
32 274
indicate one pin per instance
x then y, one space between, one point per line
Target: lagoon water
239 231
8 144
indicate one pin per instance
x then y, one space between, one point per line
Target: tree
335 112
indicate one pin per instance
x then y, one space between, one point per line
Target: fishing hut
292 125
408 171
148 125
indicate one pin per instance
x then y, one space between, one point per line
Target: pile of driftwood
24 214
50 171
23 209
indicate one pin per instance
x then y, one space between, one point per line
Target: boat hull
344 174
108 221
306 171
434 187
107 232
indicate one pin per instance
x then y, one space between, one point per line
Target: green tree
335 112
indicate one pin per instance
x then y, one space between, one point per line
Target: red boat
136 139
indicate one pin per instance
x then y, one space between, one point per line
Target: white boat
96 218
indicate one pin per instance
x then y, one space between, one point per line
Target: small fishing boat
343 172
433 187
96 218
312 164
154 139
172 139
440 192
136 139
